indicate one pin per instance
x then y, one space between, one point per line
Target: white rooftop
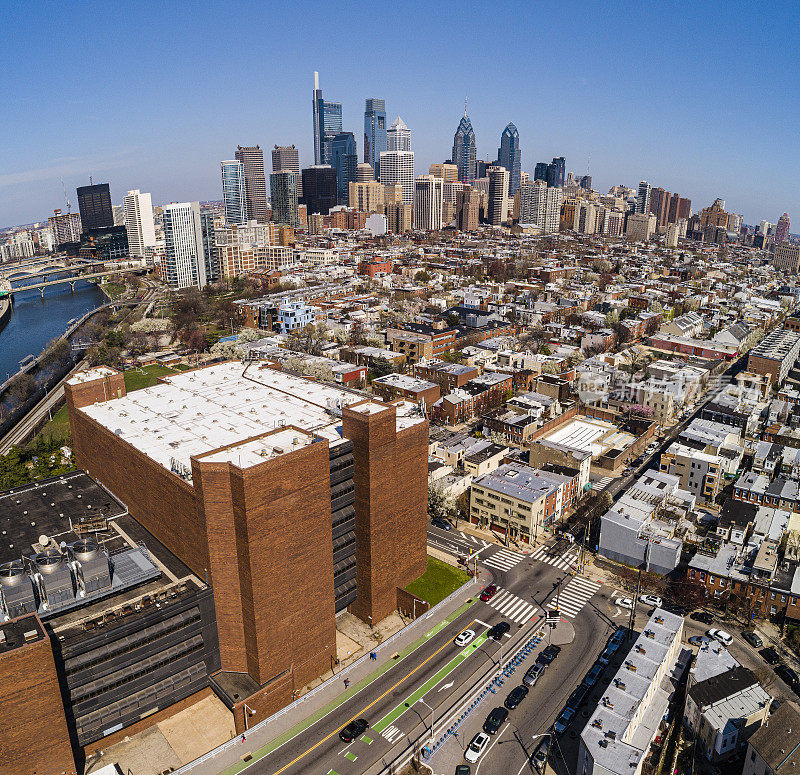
96 372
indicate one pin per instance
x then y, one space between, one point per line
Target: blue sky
698 98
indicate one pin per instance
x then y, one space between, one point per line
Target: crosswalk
601 484
392 733
575 596
512 607
566 561
503 559
473 539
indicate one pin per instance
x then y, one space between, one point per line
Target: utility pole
632 617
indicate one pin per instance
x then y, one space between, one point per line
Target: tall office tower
540 204
233 191
398 217
374 132
398 137
94 203
319 188
139 223
540 171
782 229
255 185
283 193
586 182
364 173
509 156
210 252
659 205
119 214
447 172
398 167
327 123
287 157
679 208
765 228
643 198
343 157
184 263
556 171
428 192
498 195
468 209
452 190
66 227
367 196
464 149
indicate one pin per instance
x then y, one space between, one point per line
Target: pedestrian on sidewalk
373 656
346 682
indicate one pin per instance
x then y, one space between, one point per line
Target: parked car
539 756
532 674
723 637
494 720
605 657
497 632
770 656
702 616
353 730
464 637
653 600
699 640
753 639
489 593
624 602
548 654
516 696
593 676
476 747
462 769
576 698
788 676
618 637
562 722
441 523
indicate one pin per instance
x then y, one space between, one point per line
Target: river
35 320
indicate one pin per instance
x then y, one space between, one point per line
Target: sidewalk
289 722
493 537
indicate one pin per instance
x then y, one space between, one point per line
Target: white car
653 600
723 637
464 637
624 602
476 748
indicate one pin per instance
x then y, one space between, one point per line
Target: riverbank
5 312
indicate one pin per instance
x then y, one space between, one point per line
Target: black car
702 616
770 656
494 720
462 769
497 632
753 639
548 654
442 524
788 676
353 730
515 697
576 698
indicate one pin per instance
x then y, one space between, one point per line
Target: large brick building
296 500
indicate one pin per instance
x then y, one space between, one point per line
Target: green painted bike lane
406 704
301 726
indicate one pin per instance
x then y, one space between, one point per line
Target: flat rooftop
590 435
202 411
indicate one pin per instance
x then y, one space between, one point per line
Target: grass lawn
58 427
437 582
138 378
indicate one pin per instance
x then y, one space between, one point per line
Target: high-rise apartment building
233 191
452 190
283 193
398 137
66 227
447 172
255 185
787 257
660 201
208 228
364 173
509 156
139 223
679 208
94 203
782 229
468 209
398 217
556 171
643 198
464 149
586 182
428 192
343 157
184 262
398 167
374 132
498 195
327 123
319 188
367 196
541 204
640 227
287 157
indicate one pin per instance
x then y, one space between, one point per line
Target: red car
489 593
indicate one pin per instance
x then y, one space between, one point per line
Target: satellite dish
43 540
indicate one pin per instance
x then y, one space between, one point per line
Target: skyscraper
540 204
464 151
327 122
659 205
540 171
509 156
233 191
428 203
255 185
343 157
782 229
468 209
94 203
447 172
364 172
319 188
398 167
498 195
586 182
139 223
210 252
556 171
374 132
184 262
283 193
643 198
398 137
287 157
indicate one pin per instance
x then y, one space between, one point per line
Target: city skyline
743 152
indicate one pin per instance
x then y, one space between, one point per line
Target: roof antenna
465 107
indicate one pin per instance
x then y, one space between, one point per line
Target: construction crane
66 199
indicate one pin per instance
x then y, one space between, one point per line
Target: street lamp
431 710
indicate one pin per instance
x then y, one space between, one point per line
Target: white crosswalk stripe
392 733
512 607
601 484
575 595
503 559
565 561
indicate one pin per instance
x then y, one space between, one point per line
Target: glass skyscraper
233 191
374 132
327 123
343 158
464 153
509 156
283 192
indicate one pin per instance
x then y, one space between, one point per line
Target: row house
474 398
752 487
448 376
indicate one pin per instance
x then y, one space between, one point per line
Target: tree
308 339
21 387
687 593
437 502
422 277
357 334
380 368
